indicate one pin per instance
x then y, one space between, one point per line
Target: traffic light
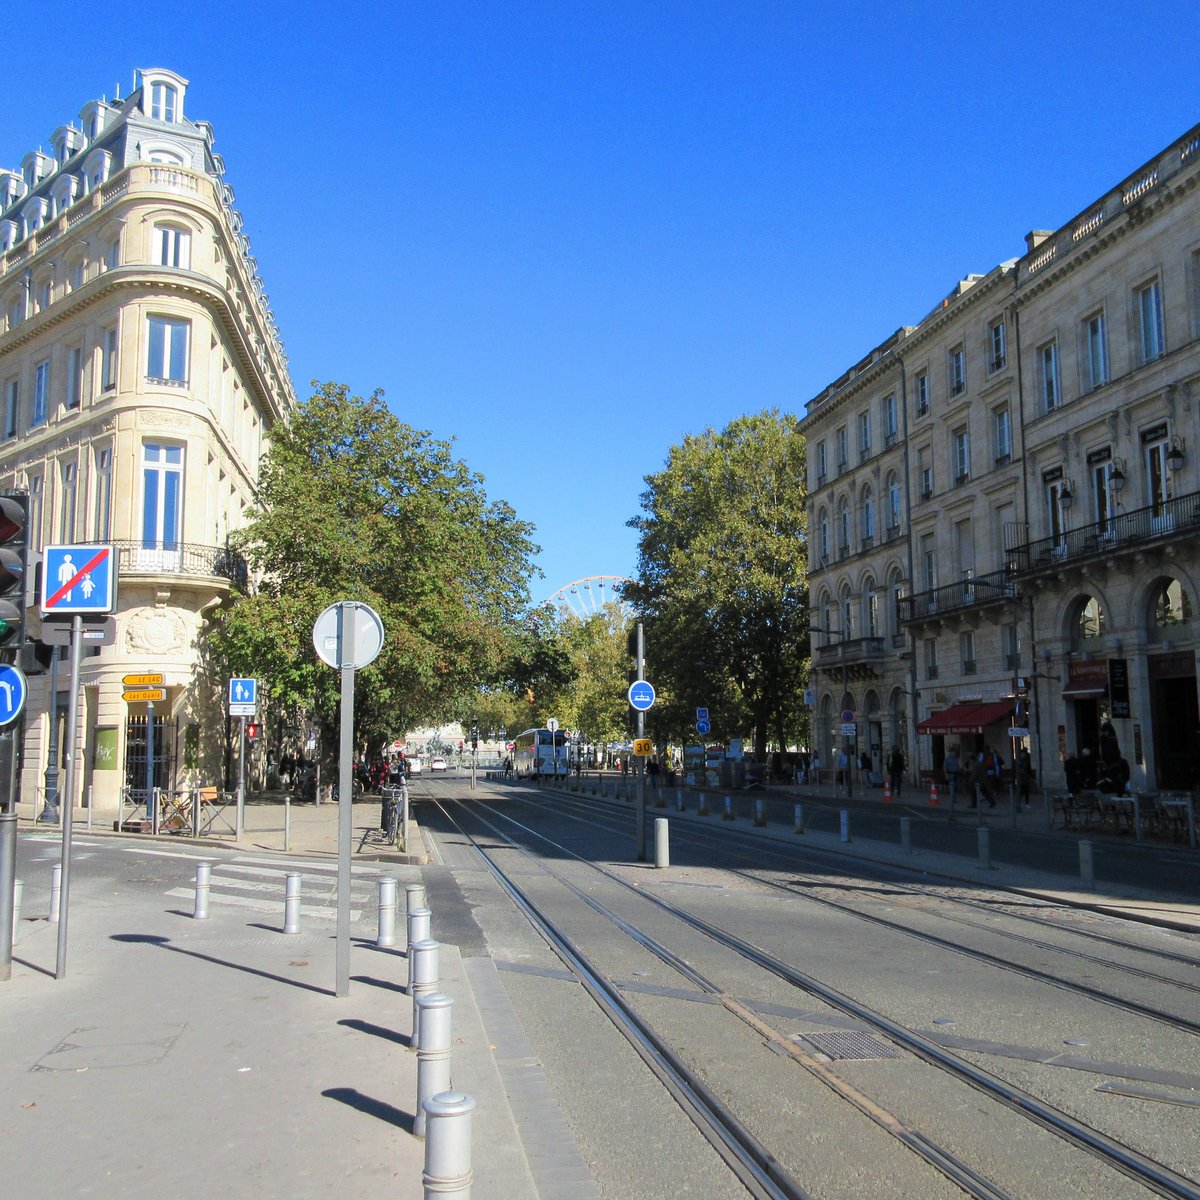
474 735
253 731
14 558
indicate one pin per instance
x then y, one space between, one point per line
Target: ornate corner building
1004 503
141 371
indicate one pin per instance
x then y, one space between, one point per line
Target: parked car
437 764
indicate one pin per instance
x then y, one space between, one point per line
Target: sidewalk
184 1058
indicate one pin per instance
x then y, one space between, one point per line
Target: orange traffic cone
887 792
934 802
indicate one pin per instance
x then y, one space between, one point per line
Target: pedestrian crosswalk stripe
318 911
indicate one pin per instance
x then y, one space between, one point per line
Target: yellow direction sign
643 747
149 695
142 681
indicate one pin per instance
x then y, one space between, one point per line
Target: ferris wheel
586 597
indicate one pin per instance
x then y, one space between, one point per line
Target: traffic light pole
49 813
8 843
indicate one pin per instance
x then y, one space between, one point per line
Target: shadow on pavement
387 985
388 1035
372 1107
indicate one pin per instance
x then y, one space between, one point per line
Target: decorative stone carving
155 631
153 417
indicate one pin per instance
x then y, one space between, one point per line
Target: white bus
539 752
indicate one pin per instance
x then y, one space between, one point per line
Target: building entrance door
1175 712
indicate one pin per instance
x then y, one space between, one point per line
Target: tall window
844 528
871 610
889 419
108 358
1051 393
821 463
931 662
162 496
68 501
41 391
172 246
74 376
12 406
843 450
868 516
36 507
958 371
967 645
921 388
962 455
1096 349
823 536
1150 321
166 359
163 99
893 501
1104 495
929 561
1158 476
997 346
102 496
1002 433
1056 511
864 435
1010 645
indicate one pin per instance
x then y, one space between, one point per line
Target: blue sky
568 234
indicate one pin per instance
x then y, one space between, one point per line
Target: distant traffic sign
702 714
643 747
847 716
144 695
13 690
144 681
78 579
552 725
243 691
641 695
703 727
849 729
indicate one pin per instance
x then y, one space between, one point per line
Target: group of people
979 775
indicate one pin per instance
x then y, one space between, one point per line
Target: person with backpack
895 770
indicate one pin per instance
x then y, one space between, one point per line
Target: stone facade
140 374
1004 503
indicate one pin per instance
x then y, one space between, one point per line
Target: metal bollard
433 1052
985 847
18 888
418 925
55 890
845 824
662 842
1087 871
423 979
703 809
728 814
679 799
200 904
798 819
906 834
291 903
760 811
414 896
448 1146
386 935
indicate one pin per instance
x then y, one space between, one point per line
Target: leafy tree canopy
353 504
722 580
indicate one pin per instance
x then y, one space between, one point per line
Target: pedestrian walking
1024 775
895 770
952 767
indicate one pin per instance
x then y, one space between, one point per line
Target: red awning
967 718
1084 689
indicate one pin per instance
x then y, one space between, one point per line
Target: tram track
1144 1170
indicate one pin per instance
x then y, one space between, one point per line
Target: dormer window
95 169
163 101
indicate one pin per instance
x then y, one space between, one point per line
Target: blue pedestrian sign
641 695
13 691
703 727
78 579
243 691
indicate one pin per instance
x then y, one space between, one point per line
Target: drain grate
850 1044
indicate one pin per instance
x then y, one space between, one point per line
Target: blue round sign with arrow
641 695
13 691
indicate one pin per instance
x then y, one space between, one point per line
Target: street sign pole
641 732
346 657
68 799
241 792
151 799
49 813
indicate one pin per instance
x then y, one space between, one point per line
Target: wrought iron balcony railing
1123 532
853 651
139 557
966 593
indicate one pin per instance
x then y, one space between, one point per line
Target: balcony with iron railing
977 592
852 652
142 558
1123 533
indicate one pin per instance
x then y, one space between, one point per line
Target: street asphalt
183 1057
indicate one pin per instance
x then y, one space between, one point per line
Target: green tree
722 581
353 504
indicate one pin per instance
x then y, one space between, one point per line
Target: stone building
141 371
1004 503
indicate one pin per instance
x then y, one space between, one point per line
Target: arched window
163 102
171 246
868 516
870 609
896 602
167 157
846 605
1172 605
843 529
1090 623
823 536
893 501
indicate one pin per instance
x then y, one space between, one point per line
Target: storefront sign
1118 687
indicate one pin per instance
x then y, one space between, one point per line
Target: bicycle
390 817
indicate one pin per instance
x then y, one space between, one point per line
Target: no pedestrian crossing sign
78 579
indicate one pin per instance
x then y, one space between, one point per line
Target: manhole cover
850 1045
97 1047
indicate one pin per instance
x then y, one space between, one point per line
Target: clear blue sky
569 234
